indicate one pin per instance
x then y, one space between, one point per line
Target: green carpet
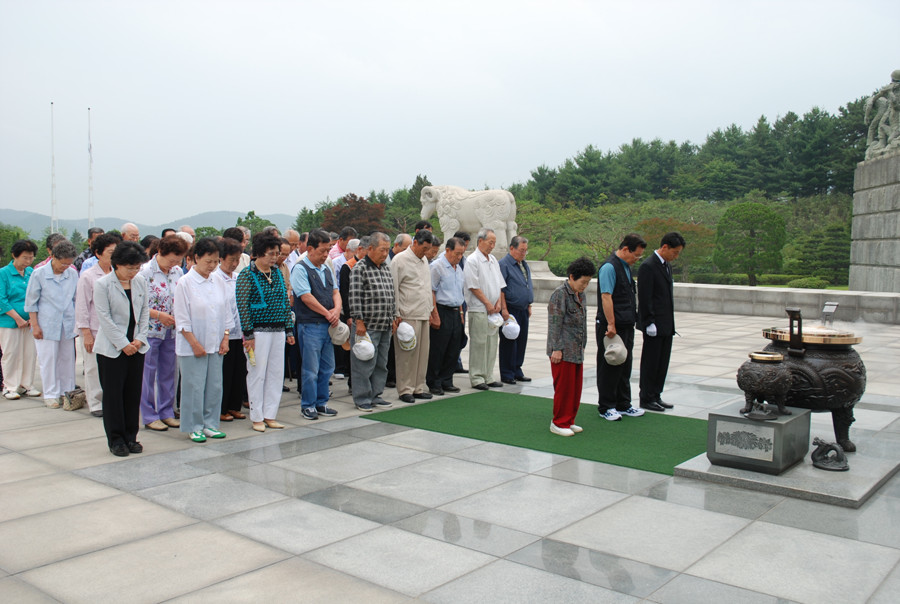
654 442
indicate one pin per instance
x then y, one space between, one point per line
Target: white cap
406 336
339 333
364 349
615 352
495 320
511 328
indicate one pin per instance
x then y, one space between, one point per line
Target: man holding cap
415 305
317 305
374 314
615 320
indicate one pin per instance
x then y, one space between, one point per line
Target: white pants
57 362
266 378
18 358
91 379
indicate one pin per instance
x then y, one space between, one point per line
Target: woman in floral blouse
266 323
158 388
566 340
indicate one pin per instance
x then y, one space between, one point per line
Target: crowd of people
180 332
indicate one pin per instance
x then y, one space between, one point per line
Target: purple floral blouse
161 290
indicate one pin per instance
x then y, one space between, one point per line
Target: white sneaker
576 429
11 395
30 392
561 431
611 415
633 412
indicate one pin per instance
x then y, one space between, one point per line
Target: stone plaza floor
351 510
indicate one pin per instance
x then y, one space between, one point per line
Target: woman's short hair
23 245
64 249
263 242
204 247
172 244
148 240
128 253
582 267
229 247
101 242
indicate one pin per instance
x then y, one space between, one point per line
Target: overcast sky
273 106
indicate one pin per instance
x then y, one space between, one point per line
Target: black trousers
655 356
444 348
121 378
512 352
614 381
234 376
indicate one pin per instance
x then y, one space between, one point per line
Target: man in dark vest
656 318
616 316
317 305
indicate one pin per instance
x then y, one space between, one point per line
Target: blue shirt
448 282
607 276
300 278
12 293
89 263
519 290
52 296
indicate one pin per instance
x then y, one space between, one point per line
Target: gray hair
401 238
244 230
517 241
377 238
365 241
64 249
483 233
352 245
128 226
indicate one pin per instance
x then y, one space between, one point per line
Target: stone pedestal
761 446
875 246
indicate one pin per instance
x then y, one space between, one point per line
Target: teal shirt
607 276
12 293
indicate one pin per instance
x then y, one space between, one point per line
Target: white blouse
202 307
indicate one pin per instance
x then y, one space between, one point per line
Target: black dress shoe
119 450
495 385
523 379
460 370
481 387
652 406
97 413
390 384
664 404
436 391
135 447
407 398
506 381
424 396
451 388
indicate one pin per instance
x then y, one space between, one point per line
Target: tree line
799 168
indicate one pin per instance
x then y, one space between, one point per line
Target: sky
274 106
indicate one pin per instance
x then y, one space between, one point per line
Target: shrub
777 279
720 278
809 283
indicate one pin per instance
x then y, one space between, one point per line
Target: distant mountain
35 223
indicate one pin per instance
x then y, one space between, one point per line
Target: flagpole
54 218
90 175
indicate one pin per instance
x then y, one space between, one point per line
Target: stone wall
871 307
875 247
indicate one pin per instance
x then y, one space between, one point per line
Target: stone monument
461 209
875 247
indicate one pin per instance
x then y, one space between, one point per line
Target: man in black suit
656 318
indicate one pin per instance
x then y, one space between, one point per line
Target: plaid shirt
372 295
